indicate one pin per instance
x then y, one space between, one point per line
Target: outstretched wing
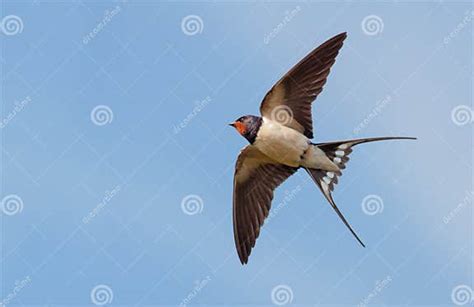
255 178
289 100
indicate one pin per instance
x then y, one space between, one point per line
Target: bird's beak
232 124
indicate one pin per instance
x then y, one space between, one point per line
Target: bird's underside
280 145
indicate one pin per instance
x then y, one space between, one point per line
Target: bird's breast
281 143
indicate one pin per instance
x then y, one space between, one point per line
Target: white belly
290 147
281 143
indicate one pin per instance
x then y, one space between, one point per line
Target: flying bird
280 144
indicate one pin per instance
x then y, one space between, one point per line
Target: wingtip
342 34
338 37
243 259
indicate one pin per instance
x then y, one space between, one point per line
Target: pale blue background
151 74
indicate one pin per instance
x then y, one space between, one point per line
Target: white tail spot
325 187
337 160
340 153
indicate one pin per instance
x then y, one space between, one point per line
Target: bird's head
247 126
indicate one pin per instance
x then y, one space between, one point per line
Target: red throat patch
240 127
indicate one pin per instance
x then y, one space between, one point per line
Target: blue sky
117 161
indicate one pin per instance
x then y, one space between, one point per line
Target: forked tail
338 153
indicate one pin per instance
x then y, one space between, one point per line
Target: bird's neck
252 129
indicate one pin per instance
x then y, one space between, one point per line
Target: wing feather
297 89
256 177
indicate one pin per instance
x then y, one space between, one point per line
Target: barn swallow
280 144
